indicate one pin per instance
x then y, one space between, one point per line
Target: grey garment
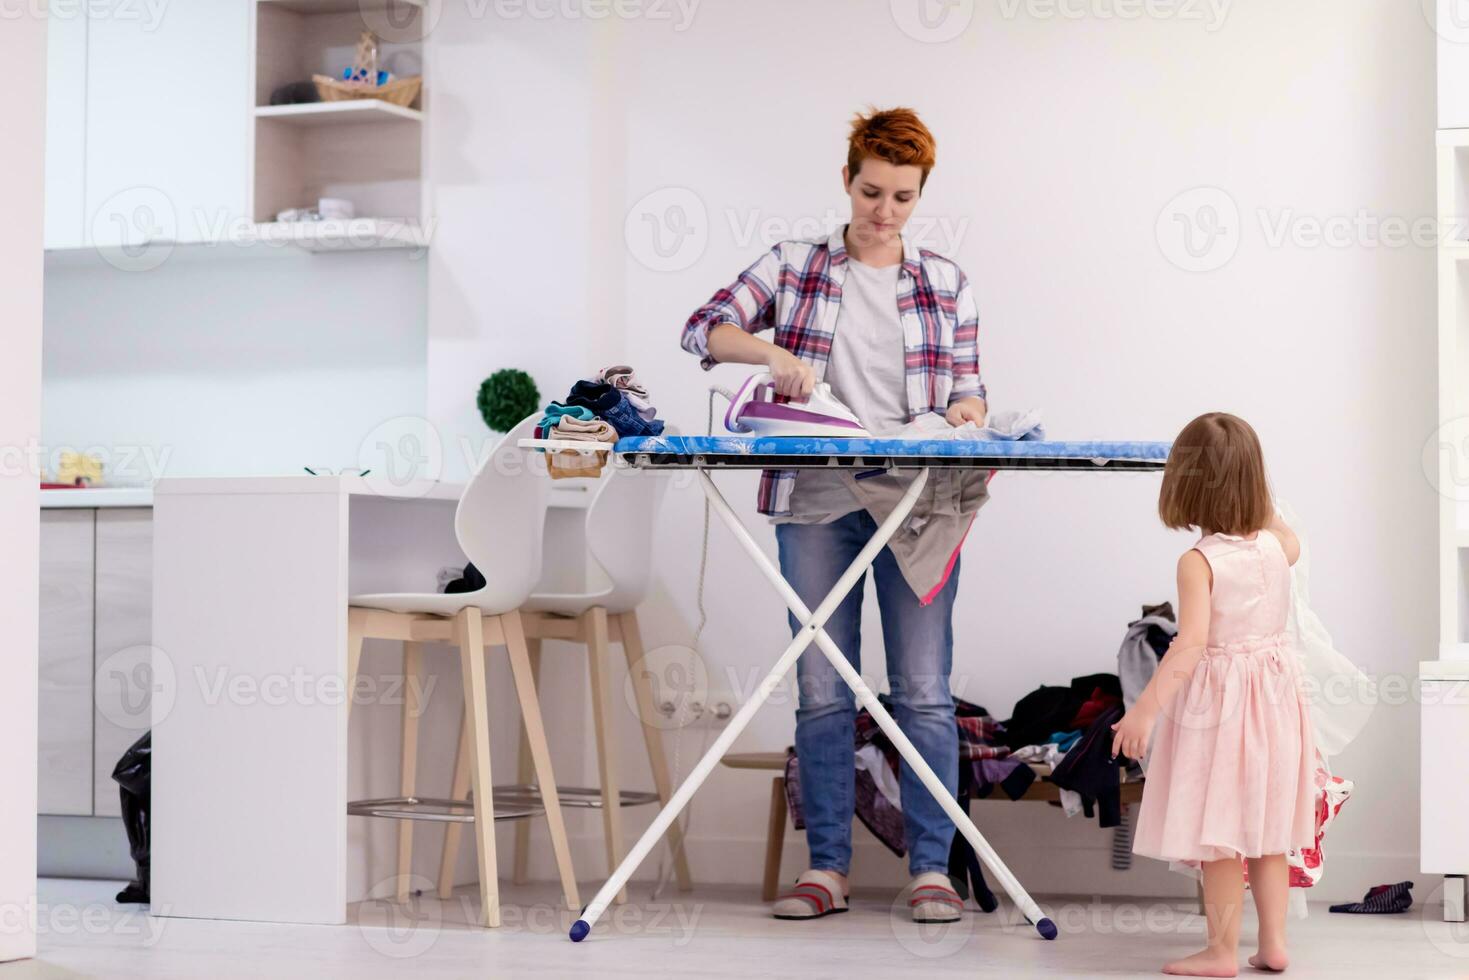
925 544
866 372
1136 661
818 497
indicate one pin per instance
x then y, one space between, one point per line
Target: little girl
1230 777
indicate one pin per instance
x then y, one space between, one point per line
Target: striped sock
1381 899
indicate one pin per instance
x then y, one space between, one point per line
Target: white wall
22 119
1061 143
231 360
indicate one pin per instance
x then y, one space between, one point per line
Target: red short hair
895 135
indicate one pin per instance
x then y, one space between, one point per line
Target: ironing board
707 453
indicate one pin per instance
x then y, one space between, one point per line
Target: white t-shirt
866 372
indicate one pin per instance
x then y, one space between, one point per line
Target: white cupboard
64 714
66 125
147 137
95 663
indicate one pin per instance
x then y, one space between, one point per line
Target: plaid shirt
796 288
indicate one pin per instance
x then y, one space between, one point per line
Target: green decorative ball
506 398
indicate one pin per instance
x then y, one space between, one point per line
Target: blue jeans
920 647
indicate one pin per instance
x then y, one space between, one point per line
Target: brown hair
895 135
1215 478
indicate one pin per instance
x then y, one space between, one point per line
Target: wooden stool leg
356 633
525 772
774 838
450 854
632 648
599 658
470 629
535 734
408 760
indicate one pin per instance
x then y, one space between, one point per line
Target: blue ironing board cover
823 449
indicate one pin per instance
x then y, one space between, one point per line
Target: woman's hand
1133 732
793 377
967 410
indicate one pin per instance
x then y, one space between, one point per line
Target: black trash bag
134 776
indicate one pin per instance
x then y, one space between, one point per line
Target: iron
753 410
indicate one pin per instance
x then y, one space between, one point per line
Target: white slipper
933 899
816 893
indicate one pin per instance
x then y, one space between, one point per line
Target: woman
892 328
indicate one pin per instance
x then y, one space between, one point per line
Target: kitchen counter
574 494
98 497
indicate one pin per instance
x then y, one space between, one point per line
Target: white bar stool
620 525
499 527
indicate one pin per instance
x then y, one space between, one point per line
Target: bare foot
1271 958
1208 963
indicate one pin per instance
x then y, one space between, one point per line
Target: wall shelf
356 234
365 151
338 6
356 112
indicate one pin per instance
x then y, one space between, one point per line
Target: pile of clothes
1070 729
603 408
985 764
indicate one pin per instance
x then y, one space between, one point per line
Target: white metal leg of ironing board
768 684
885 721
812 631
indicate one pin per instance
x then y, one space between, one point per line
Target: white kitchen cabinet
167 143
66 125
1444 692
124 678
65 709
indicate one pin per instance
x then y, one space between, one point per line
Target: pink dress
1232 759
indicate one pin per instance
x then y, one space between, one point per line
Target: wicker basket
575 465
400 91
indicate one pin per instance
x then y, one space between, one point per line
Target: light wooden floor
715 932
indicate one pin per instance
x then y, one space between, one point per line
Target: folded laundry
598 396
577 464
620 376
608 403
556 411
